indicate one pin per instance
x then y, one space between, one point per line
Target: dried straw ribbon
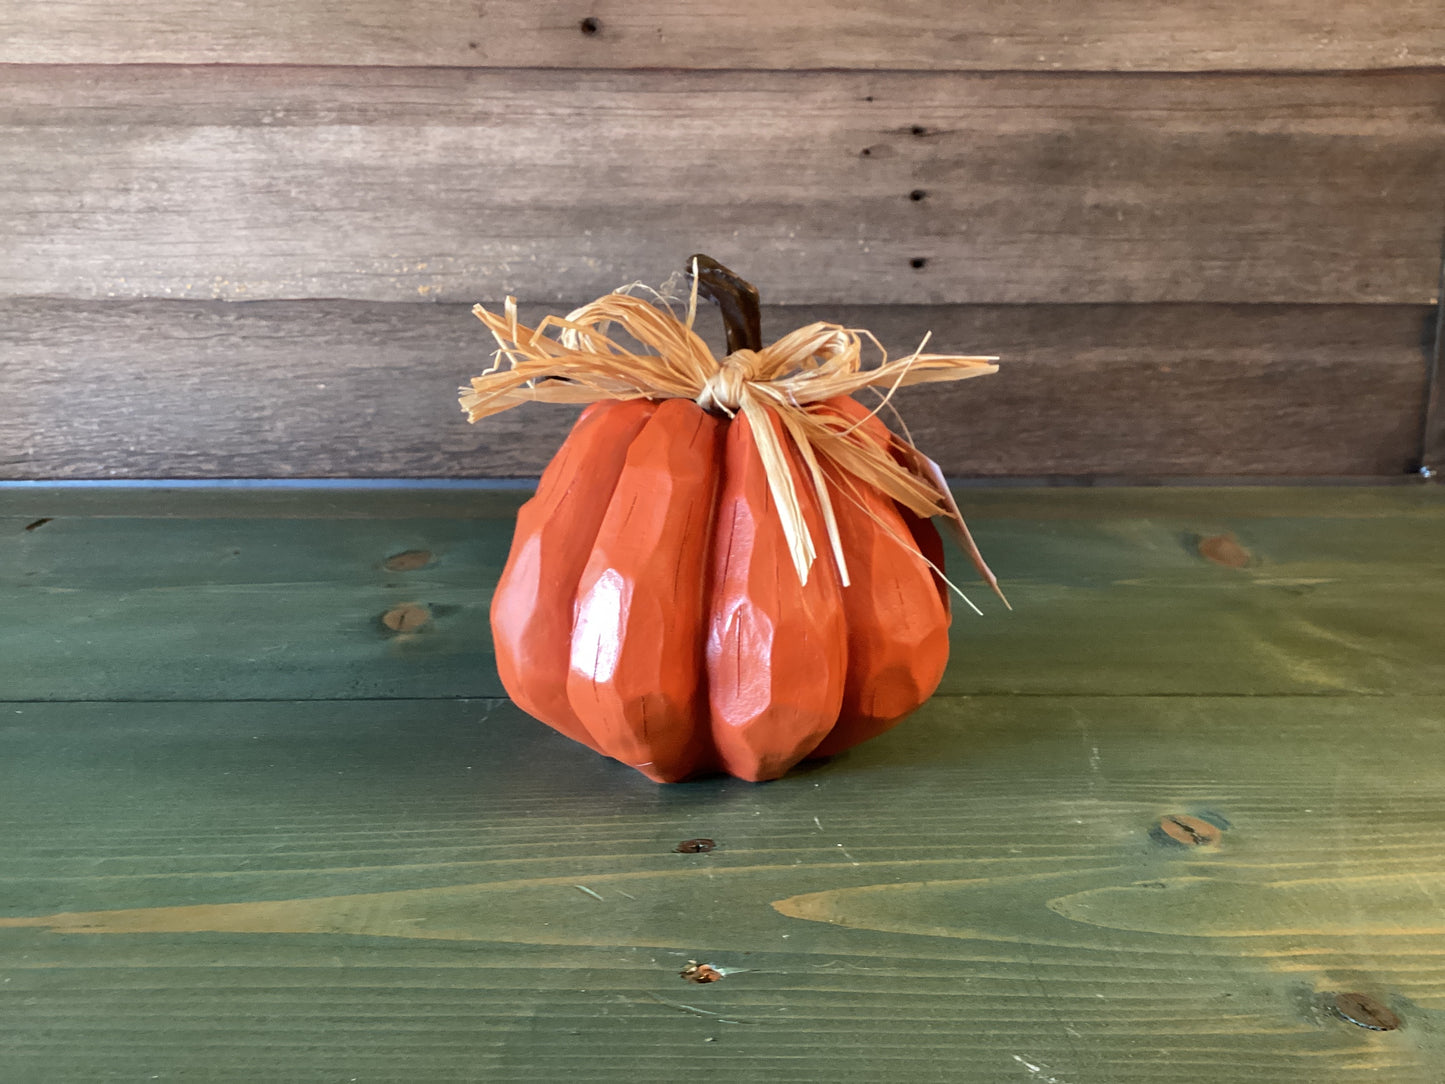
820 361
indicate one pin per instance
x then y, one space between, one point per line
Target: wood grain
446 184
1094 35
445 891
338 389
1112 595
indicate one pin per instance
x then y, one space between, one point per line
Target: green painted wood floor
1176 818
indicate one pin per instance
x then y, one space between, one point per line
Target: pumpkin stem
736 297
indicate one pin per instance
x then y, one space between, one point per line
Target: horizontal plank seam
379 485
1034 694
1109 73
521 483
237 304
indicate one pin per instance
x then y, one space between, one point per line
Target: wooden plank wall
243 242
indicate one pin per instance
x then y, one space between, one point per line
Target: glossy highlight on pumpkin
649 610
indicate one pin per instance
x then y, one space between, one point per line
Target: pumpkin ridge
776 648
897 617
636 645
531 608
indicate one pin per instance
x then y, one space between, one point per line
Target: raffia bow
788 379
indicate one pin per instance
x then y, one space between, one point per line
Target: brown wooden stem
736 297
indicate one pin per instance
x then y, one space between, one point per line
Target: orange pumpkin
649 609
661 606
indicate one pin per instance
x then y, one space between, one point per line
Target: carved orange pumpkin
663 601
649 608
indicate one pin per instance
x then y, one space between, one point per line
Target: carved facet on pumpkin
665 601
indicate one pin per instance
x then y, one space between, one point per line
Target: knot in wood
724 389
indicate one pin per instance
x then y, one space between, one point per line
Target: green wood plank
442 891
189 598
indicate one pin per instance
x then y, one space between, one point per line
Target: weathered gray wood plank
337 389
1113 594
447 184
443 892
923 34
